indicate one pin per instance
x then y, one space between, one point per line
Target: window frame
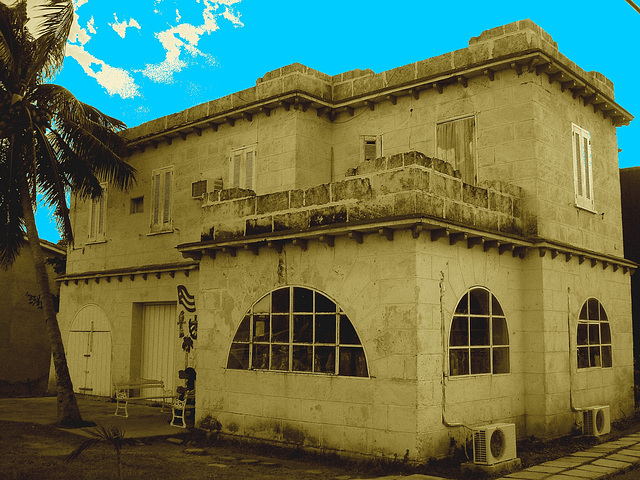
257 314
160 201
474 154
377 140
242 167
469 346
582 168
97 216
588 346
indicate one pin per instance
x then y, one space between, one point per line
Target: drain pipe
445 374
573 407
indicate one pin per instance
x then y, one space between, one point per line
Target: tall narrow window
97 217
162 192
593 336
583 176
370 147
478 340
456 144
296 329
242 168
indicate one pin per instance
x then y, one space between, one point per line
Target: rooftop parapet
522 46
387 190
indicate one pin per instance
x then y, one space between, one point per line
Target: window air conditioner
596 420
198 189
493 444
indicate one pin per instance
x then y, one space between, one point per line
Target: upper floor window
97 216
296 329
583 175
161 199
242 168
456 144
594 336
370 147
479 340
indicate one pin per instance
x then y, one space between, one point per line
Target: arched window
479 340
296 329
594 336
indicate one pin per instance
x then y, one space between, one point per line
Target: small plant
101 434
210 425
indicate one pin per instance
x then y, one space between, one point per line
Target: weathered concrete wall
25 353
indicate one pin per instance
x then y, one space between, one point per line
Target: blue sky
143 59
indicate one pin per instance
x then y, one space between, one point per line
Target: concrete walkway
601 461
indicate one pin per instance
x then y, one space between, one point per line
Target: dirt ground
32 451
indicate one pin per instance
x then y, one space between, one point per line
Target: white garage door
89 352
160 346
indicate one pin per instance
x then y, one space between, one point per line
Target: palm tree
50 143
101 434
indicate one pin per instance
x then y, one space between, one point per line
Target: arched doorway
89 352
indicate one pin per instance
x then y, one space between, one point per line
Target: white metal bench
123 396
180 407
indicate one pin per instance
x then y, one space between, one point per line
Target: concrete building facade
364 262
25 353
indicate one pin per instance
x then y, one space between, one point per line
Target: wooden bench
123 396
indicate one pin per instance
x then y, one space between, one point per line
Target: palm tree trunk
68 411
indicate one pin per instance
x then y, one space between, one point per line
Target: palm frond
51 37
90 442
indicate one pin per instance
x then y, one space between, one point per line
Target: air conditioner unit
596 420
493 444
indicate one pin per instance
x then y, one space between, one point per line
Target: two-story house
364 262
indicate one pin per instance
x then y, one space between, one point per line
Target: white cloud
185 37
116 81
78 3
121 27
90 26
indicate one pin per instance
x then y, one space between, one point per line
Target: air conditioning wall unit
493 444
596 421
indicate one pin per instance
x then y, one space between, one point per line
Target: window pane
583 357
496 309
302 358
583 312
593 309
280 328
280 357
303 328
480 360
606 356
605 332
325 329
239 356
280 300
587 179
463 305
479 331
479 301
459 332
325 360
348 334
594 357
263 305
302 300
594 334
242 335
583 336
459 361
578 159
167 197
603 314
323 304
500 335
261 328
260 357
501 360
352 362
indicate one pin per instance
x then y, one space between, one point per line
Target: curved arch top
593 336
90 318
298 329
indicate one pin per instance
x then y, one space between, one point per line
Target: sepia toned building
365 262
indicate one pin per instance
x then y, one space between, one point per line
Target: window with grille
161 199
370 147
199 188
242 168
593 336
297 329
97 216
583 175
479 339
456 144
